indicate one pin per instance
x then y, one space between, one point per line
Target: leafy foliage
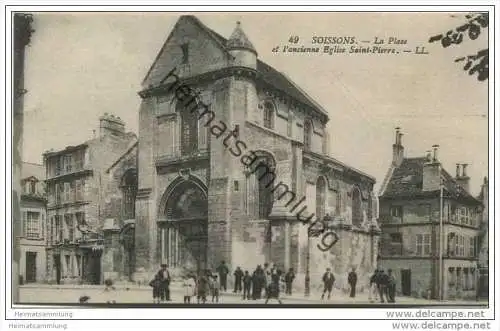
477 63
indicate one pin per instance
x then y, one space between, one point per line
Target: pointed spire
239 40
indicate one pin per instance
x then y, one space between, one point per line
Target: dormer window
32 187
185 53
269 115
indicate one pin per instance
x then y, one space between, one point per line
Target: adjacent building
90 194
483 286
230 151
33 236
421 203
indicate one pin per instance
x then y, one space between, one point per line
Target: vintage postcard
198 160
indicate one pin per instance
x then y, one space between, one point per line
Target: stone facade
202 194
416 197
33 237
84 198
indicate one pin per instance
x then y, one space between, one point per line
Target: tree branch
477 63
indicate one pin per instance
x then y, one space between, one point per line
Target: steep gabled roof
267 73
132 147
406 180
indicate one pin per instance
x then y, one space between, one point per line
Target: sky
81 65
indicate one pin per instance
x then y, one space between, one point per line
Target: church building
233 166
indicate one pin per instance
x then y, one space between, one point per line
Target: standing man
328 281
289 277
391 286
373 294
238 277
164 278
223 270
383 281
352 279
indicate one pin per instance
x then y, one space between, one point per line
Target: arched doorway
183 234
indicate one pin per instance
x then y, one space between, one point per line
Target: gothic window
357 212
264 176
129 190
307 135
189 127
185 53
320 198
269 115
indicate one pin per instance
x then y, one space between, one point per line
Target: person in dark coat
223 270
164 277
247 285
257 283
383 281
202 287
289 277
238 277
273 290
352 279
328 281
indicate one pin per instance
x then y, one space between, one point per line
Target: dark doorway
30 267
57 266
94 270
406 282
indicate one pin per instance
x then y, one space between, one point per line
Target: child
247 285
156 285
215 286
201 288
189 288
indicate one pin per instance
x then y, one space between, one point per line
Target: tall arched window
129 191
269 115
189 127
264 175
307 135
357 211
320 198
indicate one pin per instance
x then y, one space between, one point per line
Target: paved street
134 295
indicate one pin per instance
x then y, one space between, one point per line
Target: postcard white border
247 313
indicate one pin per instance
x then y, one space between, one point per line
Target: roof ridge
26 162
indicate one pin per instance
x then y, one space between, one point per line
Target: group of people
383 285
264 282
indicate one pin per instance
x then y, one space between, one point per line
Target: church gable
191 48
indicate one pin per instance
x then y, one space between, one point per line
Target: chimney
428 156
431 172
462 179
435 154
111 125
398 149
